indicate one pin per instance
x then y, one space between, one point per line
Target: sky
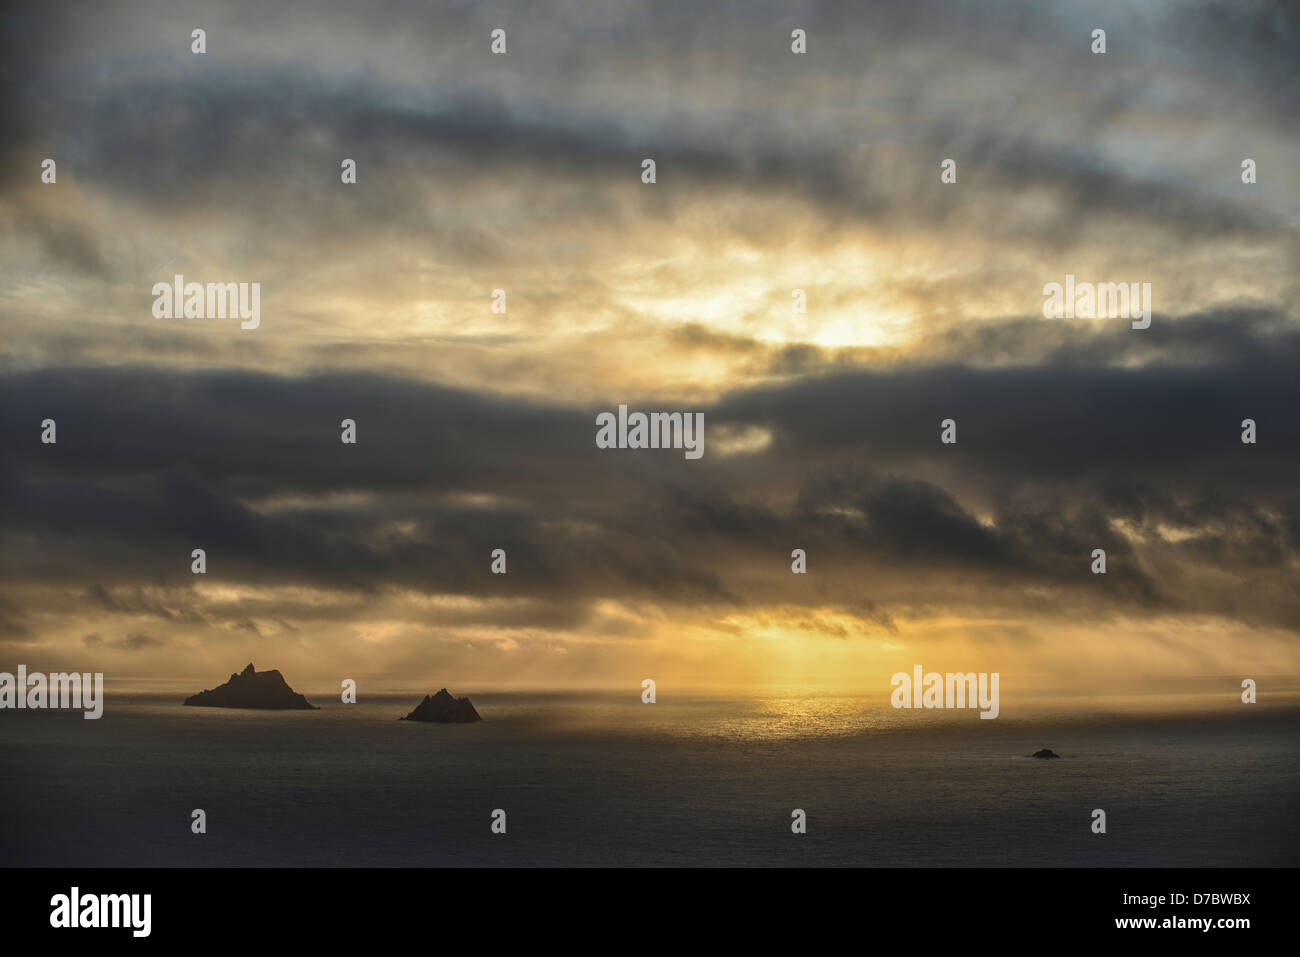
775 172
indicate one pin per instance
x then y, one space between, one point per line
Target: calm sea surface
600 779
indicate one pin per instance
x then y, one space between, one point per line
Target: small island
253 689
444 708
1045 753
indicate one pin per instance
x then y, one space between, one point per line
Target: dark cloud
13 627
1049 459
136 642
261 143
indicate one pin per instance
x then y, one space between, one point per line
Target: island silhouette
253 689
444 708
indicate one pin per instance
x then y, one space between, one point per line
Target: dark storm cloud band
150 464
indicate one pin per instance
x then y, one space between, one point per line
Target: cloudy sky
775 172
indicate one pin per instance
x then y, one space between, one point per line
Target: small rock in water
443 707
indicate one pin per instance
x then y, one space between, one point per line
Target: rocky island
1045 753
443 707
253 689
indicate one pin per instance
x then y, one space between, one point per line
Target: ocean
602 779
